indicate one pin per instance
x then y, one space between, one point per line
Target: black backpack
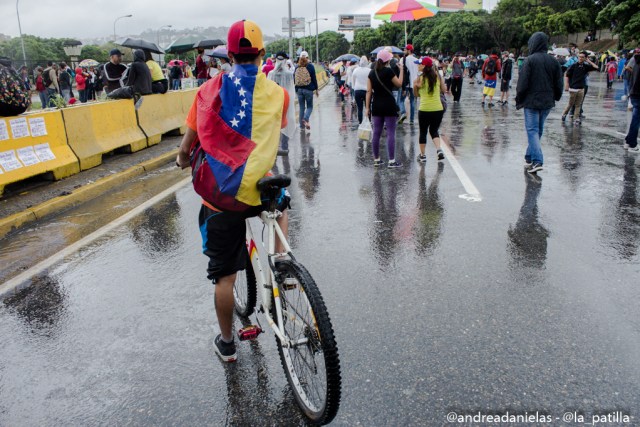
46 78
490 69
175 72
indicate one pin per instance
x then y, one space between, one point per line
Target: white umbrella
561 51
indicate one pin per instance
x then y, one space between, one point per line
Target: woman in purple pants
382 107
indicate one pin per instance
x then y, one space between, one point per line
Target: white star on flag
241 114
231 75
234 122
243 103
236 82
242 91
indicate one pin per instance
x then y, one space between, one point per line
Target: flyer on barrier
19 128
38 126
27 156
4 132
44 153
9 161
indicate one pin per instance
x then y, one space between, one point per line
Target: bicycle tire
245 291
322 342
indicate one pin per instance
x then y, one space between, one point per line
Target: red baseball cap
426 61
249 31
409 47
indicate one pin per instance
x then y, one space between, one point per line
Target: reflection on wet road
525 301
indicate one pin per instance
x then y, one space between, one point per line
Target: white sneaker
624 98
625 146
635 149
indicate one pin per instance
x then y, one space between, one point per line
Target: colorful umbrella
394 50
175 62
348 57
218 52
88 63
406 10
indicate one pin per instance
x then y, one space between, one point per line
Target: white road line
472 193
15 282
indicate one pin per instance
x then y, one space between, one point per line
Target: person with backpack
539 88
490 70
221 125
50 79
473 70
14 94
64 79
505 81
631 139
410 76
381 103
457 73
306 85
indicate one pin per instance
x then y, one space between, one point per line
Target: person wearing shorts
224 232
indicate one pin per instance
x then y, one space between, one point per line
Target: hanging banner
297 25
353 22
456 5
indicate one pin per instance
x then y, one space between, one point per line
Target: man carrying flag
232 138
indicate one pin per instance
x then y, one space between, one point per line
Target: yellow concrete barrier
99 128
187 97
34 144
161 114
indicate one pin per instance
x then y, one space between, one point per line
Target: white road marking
15 282
472 193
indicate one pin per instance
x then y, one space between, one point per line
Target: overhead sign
297 25
456 5
353 22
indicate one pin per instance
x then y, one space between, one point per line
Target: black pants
429 121
360 98
456 88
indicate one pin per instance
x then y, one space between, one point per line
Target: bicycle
295 311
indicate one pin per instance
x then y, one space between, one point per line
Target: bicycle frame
267 283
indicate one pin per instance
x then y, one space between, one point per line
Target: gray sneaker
226 351
535 168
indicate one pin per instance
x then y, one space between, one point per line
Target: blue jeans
50 93
44 98
632 135
412 102
175 83
305 102
201 82
534 124
626 87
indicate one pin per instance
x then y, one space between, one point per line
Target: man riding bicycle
231 142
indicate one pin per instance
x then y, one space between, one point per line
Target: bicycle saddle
274 182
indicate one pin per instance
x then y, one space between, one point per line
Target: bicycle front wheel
311 363
244 291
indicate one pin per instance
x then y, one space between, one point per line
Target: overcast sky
94 18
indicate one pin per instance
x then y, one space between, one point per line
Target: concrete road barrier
99 128
161 114
34 144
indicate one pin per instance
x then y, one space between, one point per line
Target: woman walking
382 105
360 77
306 85
283 76
429 86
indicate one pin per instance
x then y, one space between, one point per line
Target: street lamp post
24 55
158 40
114 24
290 34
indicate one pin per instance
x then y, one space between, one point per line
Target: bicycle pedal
290 283
251 332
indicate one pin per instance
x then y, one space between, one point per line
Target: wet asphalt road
526 301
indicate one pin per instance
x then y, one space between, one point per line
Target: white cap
304 54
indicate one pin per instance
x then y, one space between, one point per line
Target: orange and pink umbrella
406 10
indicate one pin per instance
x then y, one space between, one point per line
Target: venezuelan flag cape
239 116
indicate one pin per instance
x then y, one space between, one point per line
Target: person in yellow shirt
159 83
429 86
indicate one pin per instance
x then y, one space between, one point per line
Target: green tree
365 40
94 52
624 17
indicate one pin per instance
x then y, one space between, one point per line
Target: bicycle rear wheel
244 291
312 367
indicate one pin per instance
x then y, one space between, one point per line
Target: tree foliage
623 16
332 44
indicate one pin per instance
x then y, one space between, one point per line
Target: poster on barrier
4 132
9 161
38 126
19 128
44 153
27 156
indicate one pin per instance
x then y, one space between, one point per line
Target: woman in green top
428 86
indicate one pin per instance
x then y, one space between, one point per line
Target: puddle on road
39 241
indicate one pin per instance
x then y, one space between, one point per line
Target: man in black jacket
507 74
539 86
139 77
114 72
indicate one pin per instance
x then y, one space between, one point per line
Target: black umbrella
140 44
208 44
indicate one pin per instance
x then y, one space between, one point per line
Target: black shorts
224 237
504 85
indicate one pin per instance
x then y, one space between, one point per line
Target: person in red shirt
81 84
202 73
490 71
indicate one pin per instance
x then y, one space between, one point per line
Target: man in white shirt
411 71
